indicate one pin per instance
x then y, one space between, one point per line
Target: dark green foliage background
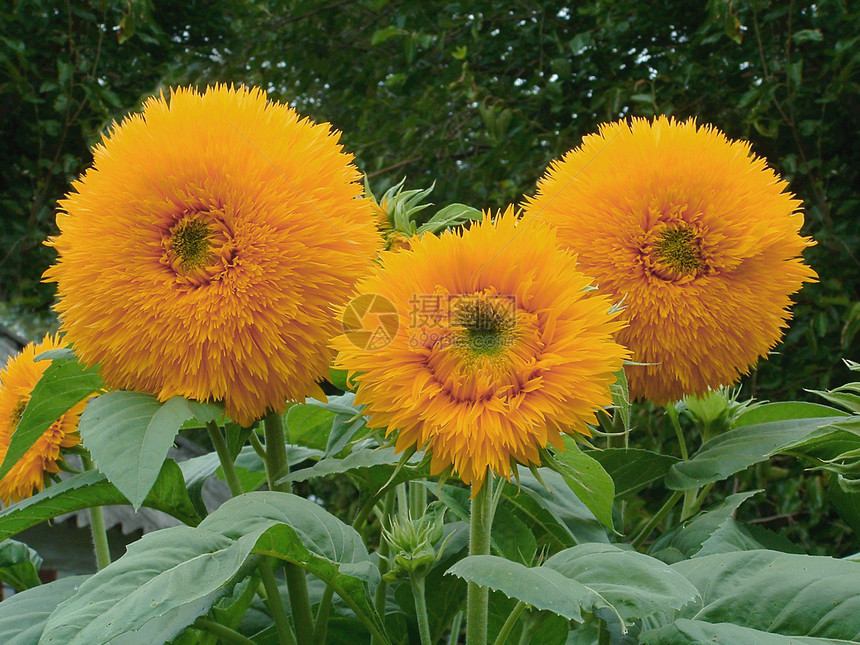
478 96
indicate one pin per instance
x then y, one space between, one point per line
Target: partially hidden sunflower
499 348
17 381
202 253
697 235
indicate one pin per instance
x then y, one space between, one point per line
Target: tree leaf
129 434
64 384
632 469
23 616
19 565
783 593
160 586
740 448
93 489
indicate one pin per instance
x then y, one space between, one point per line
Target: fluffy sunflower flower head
17 381
202 253
697 235
499 347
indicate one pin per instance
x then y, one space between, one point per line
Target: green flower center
486 325
190 240
679 250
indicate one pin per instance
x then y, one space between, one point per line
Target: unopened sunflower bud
413 541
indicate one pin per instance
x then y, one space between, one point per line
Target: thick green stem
273 596
690 495
421 608
97 526
417 498
276 451
223 632
297 583
658 517
225 458
273 602
602 634
381 589
477 597
321 623
502 638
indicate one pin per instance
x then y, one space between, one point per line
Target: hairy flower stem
417 582
297 583
97 526
502 638
273 597
225 458
223 632
384 548
321 622
654 521
477 597
690 495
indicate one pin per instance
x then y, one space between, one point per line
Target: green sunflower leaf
742 447
302 532
799 596
23 616
129 434
64 384
19 565
583 579
93 489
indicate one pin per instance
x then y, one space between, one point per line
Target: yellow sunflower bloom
499 348
201 254
698 236
17 380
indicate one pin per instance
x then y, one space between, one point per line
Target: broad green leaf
842 397
697 632
846 504
540 587
340 404
785 411
562 504
19 565
129 434
64 384
23 616
685 541
93 489
370 468
343 429
797 595
160 586
633 469
309 425
62 353
587 478
307 535
582 579
740 448
634 584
